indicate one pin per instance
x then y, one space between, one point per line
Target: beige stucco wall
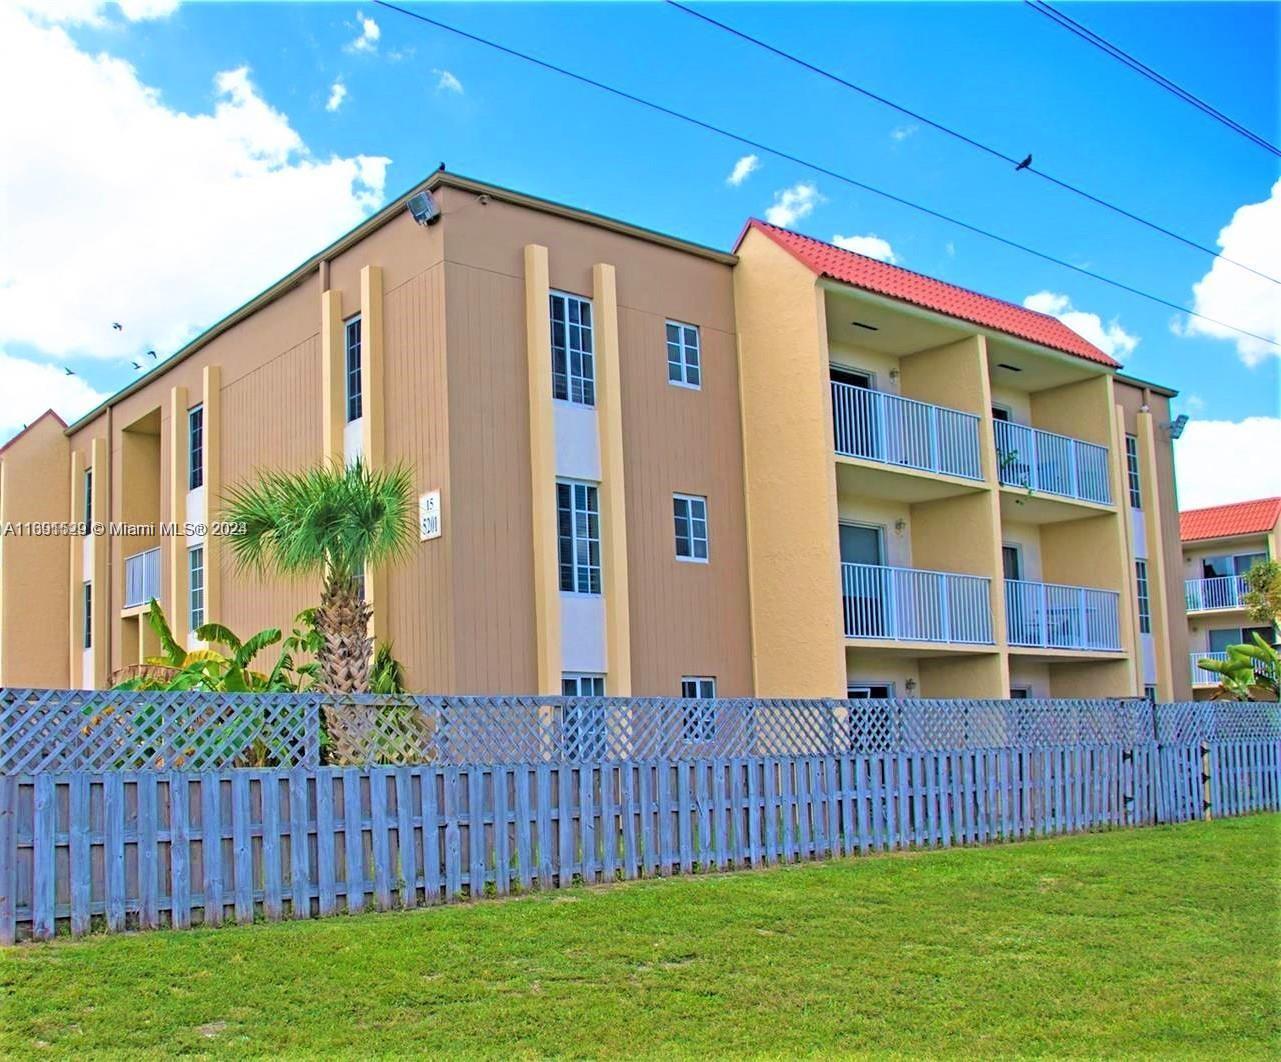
35 587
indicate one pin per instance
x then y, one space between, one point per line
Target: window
352 334
1012 562
872 692
1149 694
1230 564
1145 607
1000 413
1132 471
698 721
86 633
195 447
579 685
196 586
690 512
683 365
1019 693
582 726
88 499
573 373
578 534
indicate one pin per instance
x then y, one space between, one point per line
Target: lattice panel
84 730
61 730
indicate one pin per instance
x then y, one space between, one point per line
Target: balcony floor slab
1017 504
899 483
917 649
1049 656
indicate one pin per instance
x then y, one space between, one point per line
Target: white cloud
792 204
1110 338
950 248
1222 461
447 82
743 169
337 93
1230 294
159 219
32 387
91 12
367 40
870 245
903 132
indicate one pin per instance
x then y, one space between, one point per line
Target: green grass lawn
1157 941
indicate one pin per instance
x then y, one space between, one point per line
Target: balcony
910 605
890 430
1052 464
1049 616
142 577
1217 592
1202 677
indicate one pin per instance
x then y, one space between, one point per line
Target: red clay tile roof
1223 521
937 295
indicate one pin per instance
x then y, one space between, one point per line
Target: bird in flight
68 371
136 365
116 326
151 354
1024 164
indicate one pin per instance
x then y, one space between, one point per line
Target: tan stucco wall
790 473
35 485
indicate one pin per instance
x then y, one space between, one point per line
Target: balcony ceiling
899 330
1018 506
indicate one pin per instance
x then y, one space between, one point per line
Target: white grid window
1145 607
582 726
1132 471
690 515
355 403
698 720
578 537
573 361
195 447
196 586
684 366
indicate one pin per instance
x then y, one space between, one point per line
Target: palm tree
330 521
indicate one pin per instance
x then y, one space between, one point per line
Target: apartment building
645 467
1220 545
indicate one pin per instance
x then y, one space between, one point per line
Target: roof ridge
1273 499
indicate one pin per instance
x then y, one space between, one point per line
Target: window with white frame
88 499
1132 471
690 515
1149 694
582 725
195 447
573 357
578 536
355 404
684 363
1145 606
86 631
698 720
196 586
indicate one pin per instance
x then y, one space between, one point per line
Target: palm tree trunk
344 655
346 648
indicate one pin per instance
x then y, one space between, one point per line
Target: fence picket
406 860
430 777
326 867
241 849
179 851
354 840
148 849
300 876
43 858
272 887
476 869
211 835
8 859
502 835
79 862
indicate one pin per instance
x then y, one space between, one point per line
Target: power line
965 139
815 167
1139 67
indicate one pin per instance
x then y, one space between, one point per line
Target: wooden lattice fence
121 849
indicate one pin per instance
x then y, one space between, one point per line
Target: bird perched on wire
116 326
1024 164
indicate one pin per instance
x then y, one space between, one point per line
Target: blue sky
414 95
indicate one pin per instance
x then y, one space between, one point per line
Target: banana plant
1249 673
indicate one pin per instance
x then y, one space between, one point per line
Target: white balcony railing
1052 464
1202 677
907 604
1219 591
142 577
1048 616
882 427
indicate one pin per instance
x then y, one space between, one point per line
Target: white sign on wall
429 515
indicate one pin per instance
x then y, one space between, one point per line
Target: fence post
8 858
